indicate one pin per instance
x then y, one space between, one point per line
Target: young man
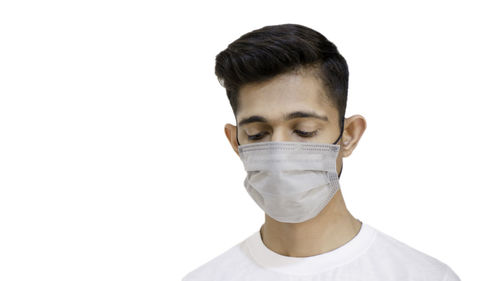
287 85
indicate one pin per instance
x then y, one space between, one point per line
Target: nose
280 134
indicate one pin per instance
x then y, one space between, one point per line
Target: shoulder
222 267
393 254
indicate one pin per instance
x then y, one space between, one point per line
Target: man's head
275 76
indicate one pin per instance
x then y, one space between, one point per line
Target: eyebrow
290 116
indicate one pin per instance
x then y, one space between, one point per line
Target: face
291 107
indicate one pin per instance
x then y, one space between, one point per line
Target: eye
257 136
306 134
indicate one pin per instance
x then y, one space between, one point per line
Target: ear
354 128
230 131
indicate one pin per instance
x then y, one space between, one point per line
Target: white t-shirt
370 256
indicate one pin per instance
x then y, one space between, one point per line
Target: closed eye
306 134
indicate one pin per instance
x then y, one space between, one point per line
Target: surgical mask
291 181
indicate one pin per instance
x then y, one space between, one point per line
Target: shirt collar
346 253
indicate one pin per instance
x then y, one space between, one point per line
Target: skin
301 90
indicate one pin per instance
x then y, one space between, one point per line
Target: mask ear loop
341 132
237 135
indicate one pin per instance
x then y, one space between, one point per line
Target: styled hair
263 53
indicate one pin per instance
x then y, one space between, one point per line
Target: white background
113 160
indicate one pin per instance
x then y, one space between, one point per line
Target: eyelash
301 133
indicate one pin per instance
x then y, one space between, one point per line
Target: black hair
263 53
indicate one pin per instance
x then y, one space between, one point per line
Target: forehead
285 93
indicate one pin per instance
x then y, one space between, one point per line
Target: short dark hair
271 50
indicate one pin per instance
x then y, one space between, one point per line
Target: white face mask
291 181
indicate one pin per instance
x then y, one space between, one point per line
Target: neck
333 227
